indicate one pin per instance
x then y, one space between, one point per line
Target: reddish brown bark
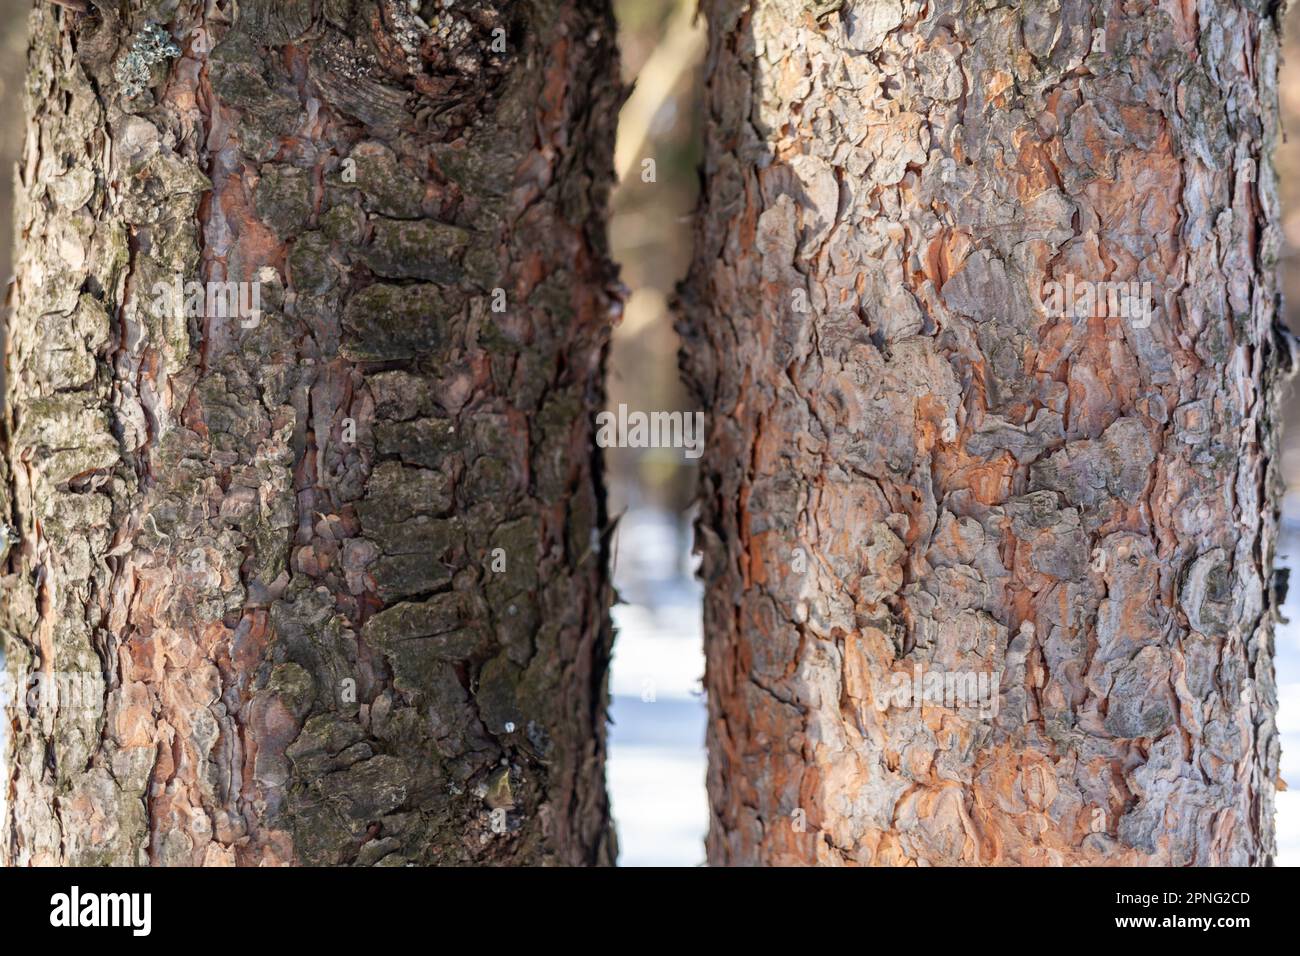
916 463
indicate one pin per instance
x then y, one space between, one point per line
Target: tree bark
325 585
930 468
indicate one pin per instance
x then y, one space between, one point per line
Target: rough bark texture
272 547
1082 504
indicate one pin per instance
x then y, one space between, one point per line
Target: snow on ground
656 746
1287 661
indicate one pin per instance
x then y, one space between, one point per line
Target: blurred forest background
656 758
657 761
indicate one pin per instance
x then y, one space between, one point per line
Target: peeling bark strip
926 467
338 570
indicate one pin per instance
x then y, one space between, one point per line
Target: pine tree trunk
924 457
324 584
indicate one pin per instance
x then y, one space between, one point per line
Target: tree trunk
925 458
325 584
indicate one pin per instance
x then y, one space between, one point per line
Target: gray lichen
151 45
